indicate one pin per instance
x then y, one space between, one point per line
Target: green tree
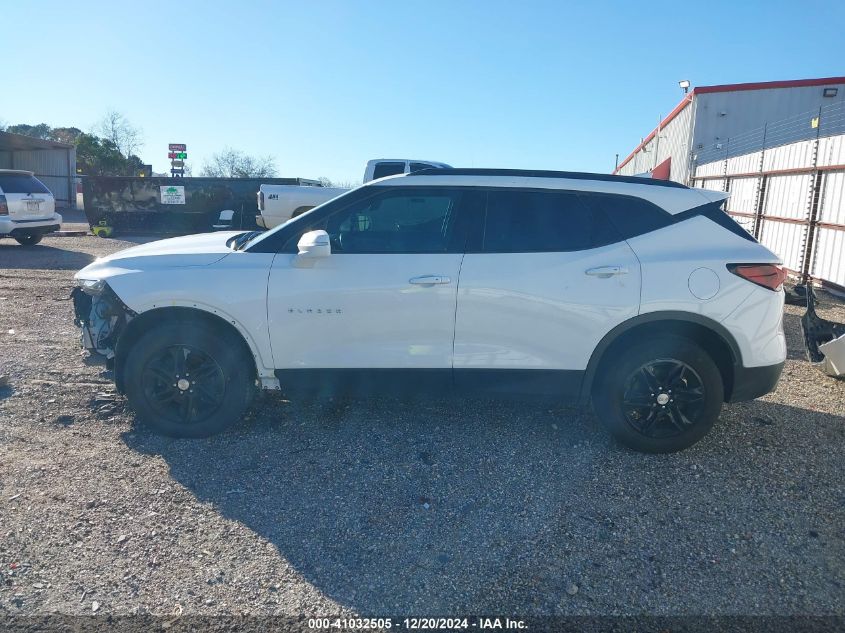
95 155
42 130
69 135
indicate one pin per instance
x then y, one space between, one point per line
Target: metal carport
53 163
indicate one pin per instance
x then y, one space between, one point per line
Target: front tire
659 396
187 379
29 240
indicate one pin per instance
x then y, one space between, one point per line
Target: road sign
177 163
177 147
177 155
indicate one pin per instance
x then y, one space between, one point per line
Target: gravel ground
383 507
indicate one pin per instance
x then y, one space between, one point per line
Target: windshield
258 236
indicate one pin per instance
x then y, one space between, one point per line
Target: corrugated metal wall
732 123
792 198
673 141
54 167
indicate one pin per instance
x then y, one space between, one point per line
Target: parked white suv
642 296
27 208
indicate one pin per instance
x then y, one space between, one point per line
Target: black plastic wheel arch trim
653 317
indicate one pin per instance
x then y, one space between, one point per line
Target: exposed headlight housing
91 287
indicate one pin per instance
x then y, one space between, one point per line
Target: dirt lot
378 507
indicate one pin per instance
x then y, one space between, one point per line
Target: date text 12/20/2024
417 624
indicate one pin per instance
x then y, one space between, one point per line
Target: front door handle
606 271
429 280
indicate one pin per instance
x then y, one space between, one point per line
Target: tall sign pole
177 153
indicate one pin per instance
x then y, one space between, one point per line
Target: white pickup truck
279 203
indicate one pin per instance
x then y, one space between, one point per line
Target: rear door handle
429 280
606 271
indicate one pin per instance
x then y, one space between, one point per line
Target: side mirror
314 245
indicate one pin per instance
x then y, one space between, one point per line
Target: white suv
642 296
27 208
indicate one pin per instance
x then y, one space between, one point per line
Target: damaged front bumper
824 340
101 316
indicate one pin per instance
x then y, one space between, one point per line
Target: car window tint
21 183
531 221
415 221
419 166
388 169
631 216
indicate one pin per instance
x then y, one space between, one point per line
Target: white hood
176 252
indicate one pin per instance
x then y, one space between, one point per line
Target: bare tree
232 163
343 184
115 127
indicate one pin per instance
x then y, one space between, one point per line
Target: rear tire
659 396
29 240
187 379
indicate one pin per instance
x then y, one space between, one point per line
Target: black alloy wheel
189 378
658 395
183 384
663 398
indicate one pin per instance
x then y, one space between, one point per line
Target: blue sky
325 86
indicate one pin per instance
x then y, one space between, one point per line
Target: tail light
766 275
4 206
261 201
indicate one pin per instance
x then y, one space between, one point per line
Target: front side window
541 221
388 169
418 220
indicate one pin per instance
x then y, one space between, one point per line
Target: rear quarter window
630 216
21 183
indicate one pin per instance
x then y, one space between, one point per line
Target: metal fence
789 195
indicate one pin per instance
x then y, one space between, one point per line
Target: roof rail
539 173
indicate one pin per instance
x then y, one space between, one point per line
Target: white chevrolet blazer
641 296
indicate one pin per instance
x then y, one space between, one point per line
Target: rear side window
420 166
629 215
388 169
539 222
21 183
